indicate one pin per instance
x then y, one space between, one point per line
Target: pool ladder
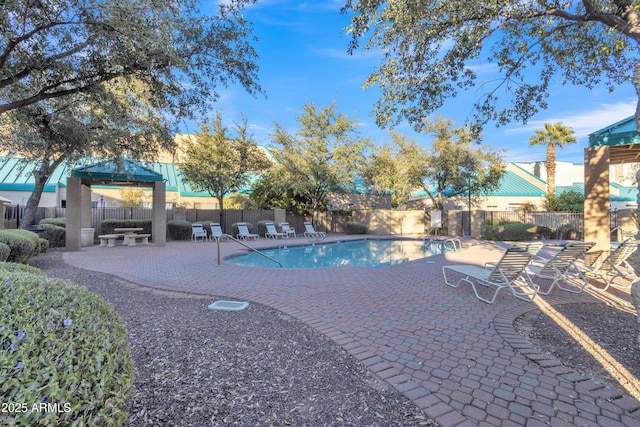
246 246
454 243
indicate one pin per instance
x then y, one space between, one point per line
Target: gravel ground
200 367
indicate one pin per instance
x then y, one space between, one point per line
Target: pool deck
457 358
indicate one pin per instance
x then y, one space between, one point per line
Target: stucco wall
380 221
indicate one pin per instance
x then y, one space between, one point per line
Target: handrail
218 238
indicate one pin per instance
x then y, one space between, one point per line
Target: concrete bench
109 240
130 239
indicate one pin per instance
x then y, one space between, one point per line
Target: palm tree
553 135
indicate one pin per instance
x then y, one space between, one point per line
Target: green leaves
452 165
60 346
54 49
219 163
553 135
430 45
322 156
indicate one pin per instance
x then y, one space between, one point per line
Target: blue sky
303 58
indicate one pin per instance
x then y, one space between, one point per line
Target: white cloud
486 68
585 122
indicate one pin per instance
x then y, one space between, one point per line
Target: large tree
221 163
554 136
55 48
104 123
454 165
322 156
276 189
387 169
106 78
429 47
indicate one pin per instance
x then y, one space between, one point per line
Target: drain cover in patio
229 305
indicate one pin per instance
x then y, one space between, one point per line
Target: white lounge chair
198 231
243 233
309 231
286 228
216 232
562 269
506 273
614 266
272 233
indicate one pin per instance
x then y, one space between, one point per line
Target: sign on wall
436 219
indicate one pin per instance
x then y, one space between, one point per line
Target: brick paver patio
457 358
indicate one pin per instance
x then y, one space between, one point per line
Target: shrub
261 227
33 237
354 227
567 232
489 232
108 225
44 245
22 244
59 222
5 250
179 230
568 201
514 231
544 232
56 235
64 347
344 212
206 225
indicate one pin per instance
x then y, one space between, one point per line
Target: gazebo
615 144
126 173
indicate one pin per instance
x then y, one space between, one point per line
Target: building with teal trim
17 184
523 187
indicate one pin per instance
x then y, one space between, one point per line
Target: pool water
363 253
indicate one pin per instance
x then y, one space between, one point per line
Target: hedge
179 230
515 231
23 244
61 347
354 227
108 225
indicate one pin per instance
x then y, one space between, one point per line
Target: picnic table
129 235
126 231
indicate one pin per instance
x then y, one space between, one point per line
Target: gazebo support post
159 225
597 215
73 214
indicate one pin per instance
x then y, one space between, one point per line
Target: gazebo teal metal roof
623 139
127 172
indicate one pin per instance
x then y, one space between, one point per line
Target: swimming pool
363 253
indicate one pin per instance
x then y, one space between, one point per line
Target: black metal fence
552 220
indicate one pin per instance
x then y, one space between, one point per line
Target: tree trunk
221 202
41 176
551 169
34 199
